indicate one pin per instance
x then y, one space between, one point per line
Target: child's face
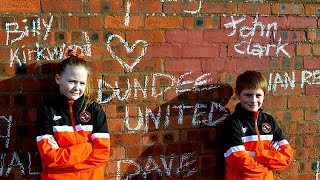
251 99
72 82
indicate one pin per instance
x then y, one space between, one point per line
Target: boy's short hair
251 80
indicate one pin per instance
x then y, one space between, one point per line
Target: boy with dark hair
255 143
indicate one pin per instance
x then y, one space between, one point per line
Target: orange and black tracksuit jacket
82 136
249 131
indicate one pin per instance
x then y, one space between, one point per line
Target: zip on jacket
82 136
248 131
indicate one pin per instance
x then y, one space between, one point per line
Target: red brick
127 139
302 22
151 6
293 168
313 36
291 36
311 63
109 6
304 49
179 7
144 151
164 50
305 153
163 22
180 36
209 161
313 89
219 36
212 22
302 102
219 64
251 63
71 6
279 20
316 49
288 116
117 153
181 148
9 85
111 22
219 7
20 6
152 36
197 51
275 102
286 8
312 9
115 125
254 8
306 128
190 23
312 114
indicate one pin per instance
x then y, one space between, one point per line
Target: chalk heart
128 50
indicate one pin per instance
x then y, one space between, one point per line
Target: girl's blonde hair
78 60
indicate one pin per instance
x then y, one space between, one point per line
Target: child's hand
274 146
252 154
53 143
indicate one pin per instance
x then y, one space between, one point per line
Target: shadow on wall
188 143
20 96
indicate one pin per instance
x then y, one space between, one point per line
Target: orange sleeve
276 160
239 159
62 157
100 139
100 153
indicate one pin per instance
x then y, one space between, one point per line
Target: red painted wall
165 73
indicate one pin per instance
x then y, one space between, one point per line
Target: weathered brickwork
164 70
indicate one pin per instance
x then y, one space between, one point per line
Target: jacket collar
240 111
64 102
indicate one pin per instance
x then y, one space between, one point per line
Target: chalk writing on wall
317 170
184 168
134 87
174 83
287 79
23 54
8 121
215 108
5 169
128 50
189 11
247 33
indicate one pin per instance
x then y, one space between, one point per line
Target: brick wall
164 70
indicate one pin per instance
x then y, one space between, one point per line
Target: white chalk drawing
196 11
15 162
13 28
310 77
183 170
47 53
317 170
15 159
287 79
30 166
180 84
128 50
23 54
284 82
248 33
127 17
8 121
206 117
188 11
2 164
